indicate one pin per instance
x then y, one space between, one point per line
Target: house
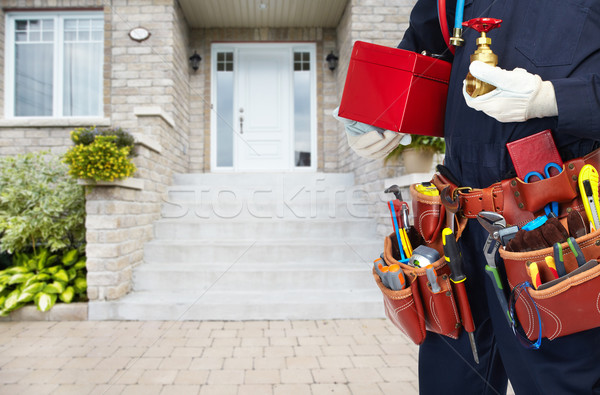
230 102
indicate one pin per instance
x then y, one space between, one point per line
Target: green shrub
100 155
39 204
43 278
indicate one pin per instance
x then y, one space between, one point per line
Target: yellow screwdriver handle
588 173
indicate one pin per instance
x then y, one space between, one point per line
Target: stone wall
150 96
380 22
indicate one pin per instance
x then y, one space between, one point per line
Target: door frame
291 47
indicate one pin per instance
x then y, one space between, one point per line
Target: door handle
241 125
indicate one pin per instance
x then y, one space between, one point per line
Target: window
54 64
225 109
302 109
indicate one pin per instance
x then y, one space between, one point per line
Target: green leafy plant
39 204
435 145
100 155
43 278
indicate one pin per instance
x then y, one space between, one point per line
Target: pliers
495 224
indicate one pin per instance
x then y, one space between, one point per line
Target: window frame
58 63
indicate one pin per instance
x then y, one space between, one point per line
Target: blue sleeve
423 33
578 101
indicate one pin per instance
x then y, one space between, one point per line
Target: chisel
454 259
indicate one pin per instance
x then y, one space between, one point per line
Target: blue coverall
560 41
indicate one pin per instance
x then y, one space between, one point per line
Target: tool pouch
417 307
429 214
570 306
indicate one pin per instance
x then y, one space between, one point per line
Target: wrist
543 104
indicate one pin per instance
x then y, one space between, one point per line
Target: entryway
263 107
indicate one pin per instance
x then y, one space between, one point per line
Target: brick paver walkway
250 357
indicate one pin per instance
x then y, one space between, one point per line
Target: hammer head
395 189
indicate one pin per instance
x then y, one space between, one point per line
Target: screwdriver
454 259
395 276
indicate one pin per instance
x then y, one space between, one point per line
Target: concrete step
263 229
259 251
307 179
253 277
226 305
178 209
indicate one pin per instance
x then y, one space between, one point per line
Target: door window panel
302 107
224 109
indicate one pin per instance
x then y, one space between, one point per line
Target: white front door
263 109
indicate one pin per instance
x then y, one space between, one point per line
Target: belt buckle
460 189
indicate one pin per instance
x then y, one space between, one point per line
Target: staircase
256 246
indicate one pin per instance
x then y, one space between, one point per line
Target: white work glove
369 141
519 95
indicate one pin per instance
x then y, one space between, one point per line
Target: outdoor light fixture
332 61
195 61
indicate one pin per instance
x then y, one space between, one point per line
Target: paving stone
264 376
329 376
339 361
255 389
180 389
219 389
185 377
302 362
142 389
330 389
226 377
296 376
292 389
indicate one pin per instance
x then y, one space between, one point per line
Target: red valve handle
483 25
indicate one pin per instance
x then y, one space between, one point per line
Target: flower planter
417 161
131 183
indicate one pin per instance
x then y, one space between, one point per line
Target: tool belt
417 308
570 306
517 201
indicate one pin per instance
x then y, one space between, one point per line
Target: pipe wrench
495 224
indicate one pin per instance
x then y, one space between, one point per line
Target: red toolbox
396 90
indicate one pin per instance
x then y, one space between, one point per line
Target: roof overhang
262 13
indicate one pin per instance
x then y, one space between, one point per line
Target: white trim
27 122
291 46
57 93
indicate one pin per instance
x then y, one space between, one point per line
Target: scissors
551 207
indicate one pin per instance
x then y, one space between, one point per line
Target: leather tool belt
517 201
570 306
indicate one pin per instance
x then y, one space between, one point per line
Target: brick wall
150 96
380 22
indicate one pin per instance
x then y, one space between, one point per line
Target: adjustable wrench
495 224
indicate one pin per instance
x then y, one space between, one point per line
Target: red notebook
533 153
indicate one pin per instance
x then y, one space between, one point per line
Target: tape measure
427 188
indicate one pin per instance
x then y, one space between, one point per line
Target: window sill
53 122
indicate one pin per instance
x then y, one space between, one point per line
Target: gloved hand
369 141
519 95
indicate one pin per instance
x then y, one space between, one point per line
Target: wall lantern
332 61
195 61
